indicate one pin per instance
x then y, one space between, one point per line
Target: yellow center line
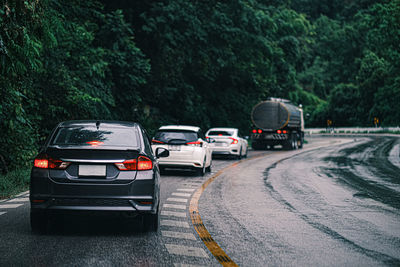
197 222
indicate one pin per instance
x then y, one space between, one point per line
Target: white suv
227 142
188 148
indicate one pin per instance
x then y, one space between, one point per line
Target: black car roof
105 123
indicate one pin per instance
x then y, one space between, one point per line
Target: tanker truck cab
277 122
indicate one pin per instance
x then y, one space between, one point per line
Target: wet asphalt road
334 203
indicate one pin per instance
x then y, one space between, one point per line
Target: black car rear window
221 133
91 136
176 136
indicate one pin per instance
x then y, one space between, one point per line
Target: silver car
227 142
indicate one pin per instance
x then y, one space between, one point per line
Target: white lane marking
187 265
186 189
22 199
182 224
10 206
181 194
23 193
173 199
178 235
173 213
1 213
174 206
186 251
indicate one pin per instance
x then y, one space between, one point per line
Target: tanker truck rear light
284 131
254 131
259 131
279 131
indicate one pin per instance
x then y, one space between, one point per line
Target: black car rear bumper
140 195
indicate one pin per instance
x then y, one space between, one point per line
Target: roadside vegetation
14 182
203 63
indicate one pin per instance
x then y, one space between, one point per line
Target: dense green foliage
192 62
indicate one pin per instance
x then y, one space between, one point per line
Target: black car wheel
151 222
39 222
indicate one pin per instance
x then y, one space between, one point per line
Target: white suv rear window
176 136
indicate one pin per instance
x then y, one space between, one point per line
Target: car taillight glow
95 143
142 163
284 131
154 141
57 164
195 143
43 161
279 131
234 141
254 131
259 131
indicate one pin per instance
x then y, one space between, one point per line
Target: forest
204 63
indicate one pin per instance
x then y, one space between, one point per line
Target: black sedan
96 166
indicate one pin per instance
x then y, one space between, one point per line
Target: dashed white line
173 213
186 251
186 189
1 213
23 193
181 194
10 206
187 265
174 199
174 206
175 223
23 199
178 235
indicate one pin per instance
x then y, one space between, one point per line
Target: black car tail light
142 163
43 161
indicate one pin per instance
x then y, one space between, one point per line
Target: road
334 203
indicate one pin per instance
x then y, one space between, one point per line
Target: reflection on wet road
336 202
332 205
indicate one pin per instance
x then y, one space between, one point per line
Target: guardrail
395 130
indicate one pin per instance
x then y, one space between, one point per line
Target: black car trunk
91 165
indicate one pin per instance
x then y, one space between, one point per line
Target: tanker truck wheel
256 146
295 142
301 141
290 143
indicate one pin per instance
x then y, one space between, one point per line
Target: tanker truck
277 121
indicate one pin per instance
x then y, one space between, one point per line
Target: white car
227 142
187 145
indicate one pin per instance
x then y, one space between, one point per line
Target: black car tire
151 222
39 222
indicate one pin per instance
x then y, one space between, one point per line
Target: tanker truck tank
277 122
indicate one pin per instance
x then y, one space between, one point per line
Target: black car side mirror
162 152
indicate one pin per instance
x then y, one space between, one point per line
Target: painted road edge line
197 222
